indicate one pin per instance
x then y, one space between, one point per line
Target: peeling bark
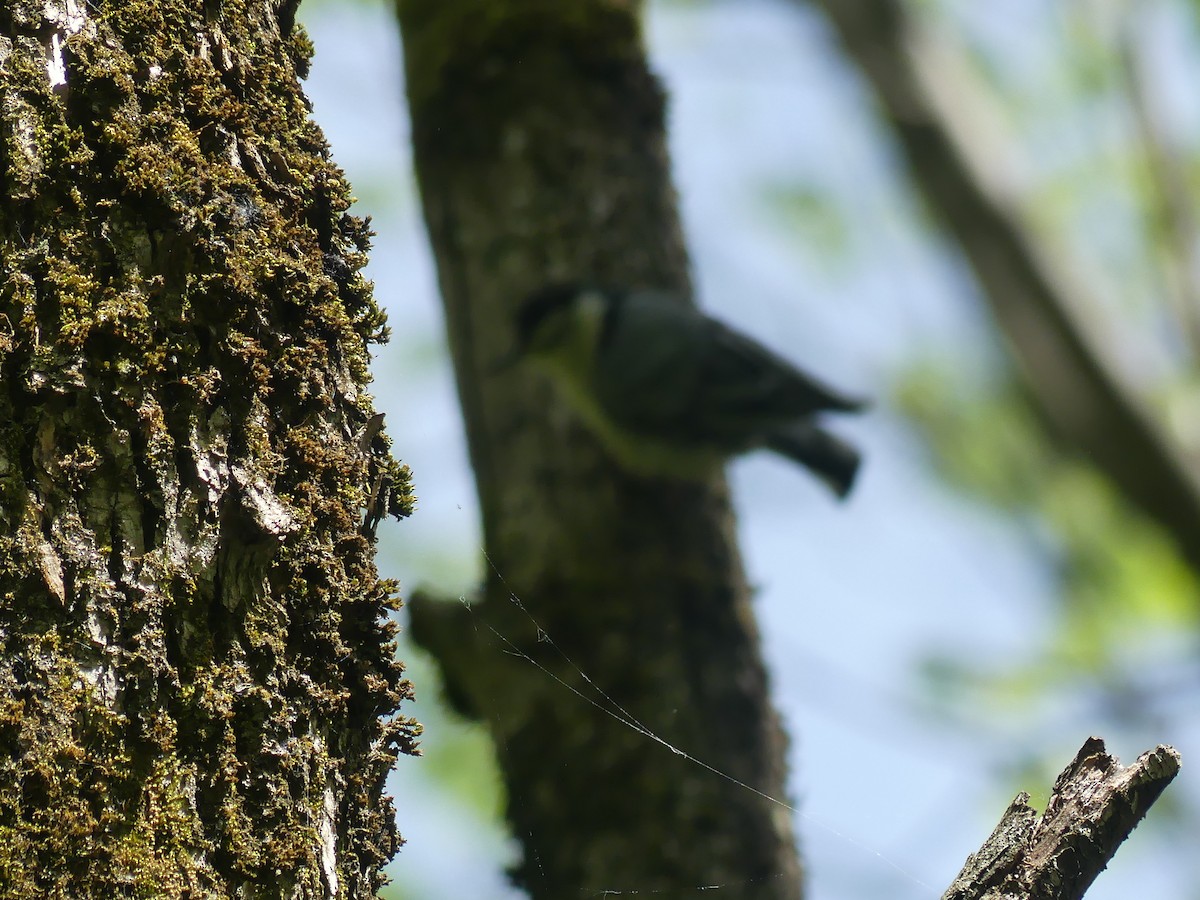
1096 802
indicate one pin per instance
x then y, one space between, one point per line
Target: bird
670 391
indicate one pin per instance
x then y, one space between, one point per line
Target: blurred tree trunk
539 145
1038 299
193 663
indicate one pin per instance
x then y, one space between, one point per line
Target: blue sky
851 597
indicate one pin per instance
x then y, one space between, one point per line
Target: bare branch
1039 300
1174 219
1095 804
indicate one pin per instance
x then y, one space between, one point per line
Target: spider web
594 695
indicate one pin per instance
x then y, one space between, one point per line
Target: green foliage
1122 586
812 214
458 754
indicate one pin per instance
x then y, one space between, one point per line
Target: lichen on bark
198 690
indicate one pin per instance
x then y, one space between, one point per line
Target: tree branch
1039 303
1095 804
1173 220
540 148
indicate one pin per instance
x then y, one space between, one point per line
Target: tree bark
1096 802
193 659
540 153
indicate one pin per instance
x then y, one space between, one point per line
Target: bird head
561 319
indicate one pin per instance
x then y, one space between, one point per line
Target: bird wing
697 379
738 373
648 384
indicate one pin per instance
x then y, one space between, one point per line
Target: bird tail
830 458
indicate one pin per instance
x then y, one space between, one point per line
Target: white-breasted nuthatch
670 391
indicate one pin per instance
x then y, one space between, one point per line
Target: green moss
184 340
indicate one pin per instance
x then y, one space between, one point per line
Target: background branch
1172 217
540 150
1040 304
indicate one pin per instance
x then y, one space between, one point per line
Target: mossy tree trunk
540 152
196 677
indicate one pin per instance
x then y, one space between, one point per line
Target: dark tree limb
1039 301
539 144
1095 804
